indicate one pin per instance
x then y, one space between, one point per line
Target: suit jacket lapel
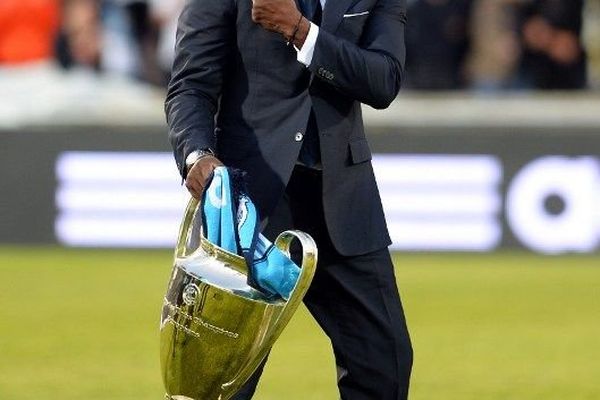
333 13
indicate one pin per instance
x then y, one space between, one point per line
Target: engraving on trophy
190 294
177 325
178 312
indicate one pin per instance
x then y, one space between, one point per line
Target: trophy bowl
215 329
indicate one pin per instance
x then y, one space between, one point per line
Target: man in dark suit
274 87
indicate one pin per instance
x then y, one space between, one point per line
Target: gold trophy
215 329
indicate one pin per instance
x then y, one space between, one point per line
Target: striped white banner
134 199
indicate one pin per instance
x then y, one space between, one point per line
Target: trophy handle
185 230
307 272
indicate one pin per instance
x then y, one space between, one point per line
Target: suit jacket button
299 136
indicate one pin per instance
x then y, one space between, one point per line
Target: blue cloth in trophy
230 221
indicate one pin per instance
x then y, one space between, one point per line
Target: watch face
191 158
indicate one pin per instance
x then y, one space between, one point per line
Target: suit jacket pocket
359 151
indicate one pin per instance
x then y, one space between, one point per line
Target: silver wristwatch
195 155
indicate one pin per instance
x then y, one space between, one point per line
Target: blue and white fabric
230 221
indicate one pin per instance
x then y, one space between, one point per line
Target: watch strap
197 155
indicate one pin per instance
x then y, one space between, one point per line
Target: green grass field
82 324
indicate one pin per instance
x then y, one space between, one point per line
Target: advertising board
466 189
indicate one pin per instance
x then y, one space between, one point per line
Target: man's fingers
194 187
193 192
199 175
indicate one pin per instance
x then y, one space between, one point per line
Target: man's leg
363 318
356 302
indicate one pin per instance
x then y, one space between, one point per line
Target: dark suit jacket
239 89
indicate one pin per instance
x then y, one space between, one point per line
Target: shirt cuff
305 54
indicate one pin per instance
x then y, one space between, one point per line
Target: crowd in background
451 44
128 37
492 44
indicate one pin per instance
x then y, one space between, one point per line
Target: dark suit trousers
354 299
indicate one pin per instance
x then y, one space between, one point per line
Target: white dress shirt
305 54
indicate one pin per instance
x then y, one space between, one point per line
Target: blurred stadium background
489 168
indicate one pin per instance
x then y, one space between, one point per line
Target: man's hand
281 16
198 176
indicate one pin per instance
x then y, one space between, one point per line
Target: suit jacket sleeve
204 32
372 70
